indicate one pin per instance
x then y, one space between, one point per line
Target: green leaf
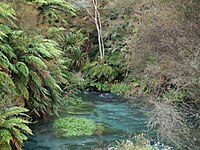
23 90
21 67
5 136
37 61
15 111
6 12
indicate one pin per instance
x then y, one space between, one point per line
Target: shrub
74 126
141 143
120 88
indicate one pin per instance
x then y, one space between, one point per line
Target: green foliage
22 68
26 62
6 13
34 79
140 143
105 86
120 88
98 71
74 126
6 81
53 8
13 127
74 48
128 145
102 76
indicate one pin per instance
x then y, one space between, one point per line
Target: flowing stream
119 118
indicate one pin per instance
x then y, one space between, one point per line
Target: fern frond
36 78
15 111
14 127
51 83
37 61
22 68
52 47
7 50
5 79
14 122
22 88
6 12
5 136
51 8
5 63
19 135
4 30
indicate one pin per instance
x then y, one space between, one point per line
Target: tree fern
52 8
43 48
33 64
74 48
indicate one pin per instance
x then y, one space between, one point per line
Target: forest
76 66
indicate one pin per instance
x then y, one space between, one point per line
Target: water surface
119 118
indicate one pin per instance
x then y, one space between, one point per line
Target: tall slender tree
97 20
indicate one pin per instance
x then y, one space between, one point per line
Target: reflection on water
119 119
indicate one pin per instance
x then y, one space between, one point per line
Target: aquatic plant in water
74 126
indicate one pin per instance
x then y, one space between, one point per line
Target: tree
97 20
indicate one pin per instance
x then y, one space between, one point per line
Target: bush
74 126
141 143
120 88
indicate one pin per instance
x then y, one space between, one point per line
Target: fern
5 63
51 83
36 78
73 48
6 80
6 12
13 126
4 30
36 61
23 90
6 136
19 135
31 65
15 111
43 48
52 8
22 68
7 50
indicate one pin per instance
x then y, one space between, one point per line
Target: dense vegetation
74 126
148 50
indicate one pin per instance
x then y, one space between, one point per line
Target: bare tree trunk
97 20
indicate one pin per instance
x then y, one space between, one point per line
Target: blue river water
120 119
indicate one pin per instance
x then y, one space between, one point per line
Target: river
120 120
